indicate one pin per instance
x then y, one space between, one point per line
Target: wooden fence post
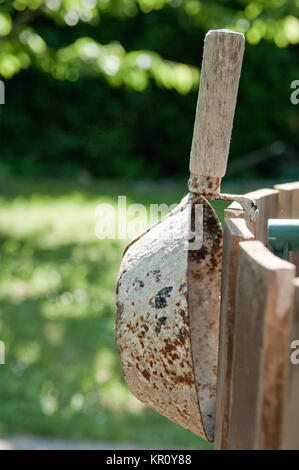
291 415
288 208
262 315
257 385
288 201
235 230
267 203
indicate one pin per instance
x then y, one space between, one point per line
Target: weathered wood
235 230
288 208
291 414
262 314
220 73
288 200
294 258
267 203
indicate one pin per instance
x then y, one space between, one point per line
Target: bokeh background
100 102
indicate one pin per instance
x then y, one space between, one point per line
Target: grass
57 293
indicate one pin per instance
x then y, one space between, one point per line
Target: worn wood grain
220 73
291 413
262 315
235 230
288 201
288 208
267 204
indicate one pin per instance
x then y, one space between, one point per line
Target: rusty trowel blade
204 288
167 317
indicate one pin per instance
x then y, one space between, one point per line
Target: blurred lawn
57 293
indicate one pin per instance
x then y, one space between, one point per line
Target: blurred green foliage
57 301
27 29
109 86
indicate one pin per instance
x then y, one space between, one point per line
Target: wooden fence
258 385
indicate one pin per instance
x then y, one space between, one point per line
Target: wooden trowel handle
220 73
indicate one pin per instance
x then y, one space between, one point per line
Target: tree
62 37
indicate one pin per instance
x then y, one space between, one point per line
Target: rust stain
186 378
146 374
119 309
156 353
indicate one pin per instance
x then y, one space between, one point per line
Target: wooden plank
288 208
291 414
235 230
288 200
267 203
262 314
294 258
